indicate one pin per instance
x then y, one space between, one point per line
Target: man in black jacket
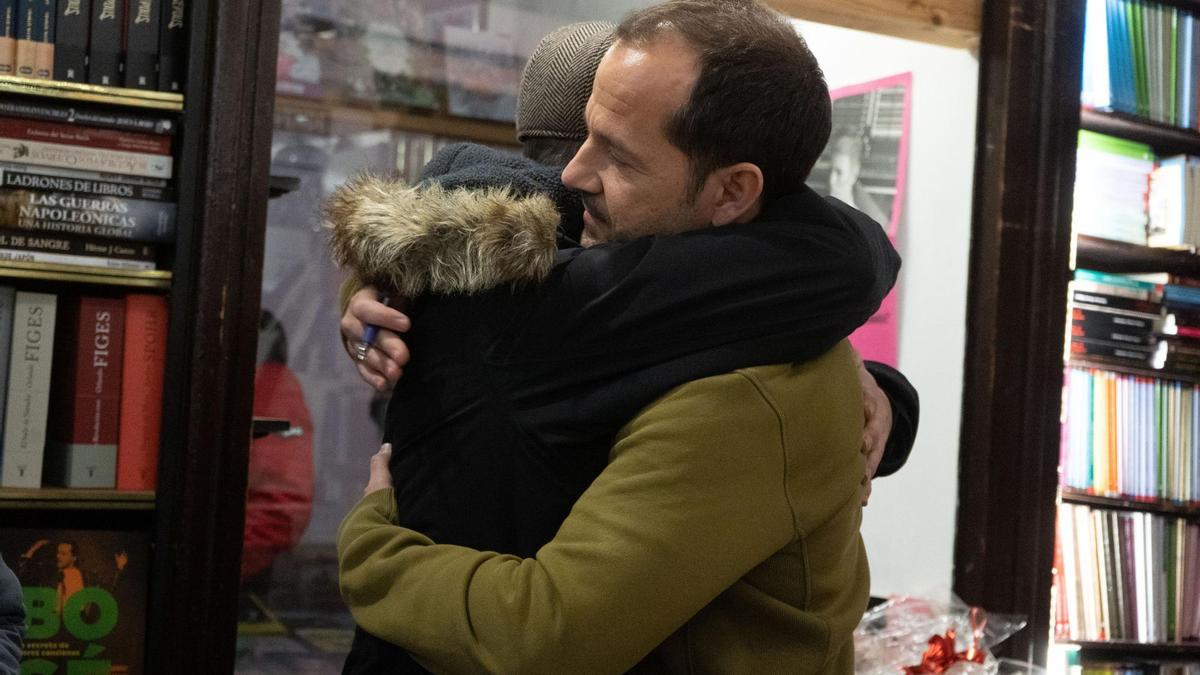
12 621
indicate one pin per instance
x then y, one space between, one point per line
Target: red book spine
143 367
1188 331
67 134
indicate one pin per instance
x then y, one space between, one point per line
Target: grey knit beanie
557 81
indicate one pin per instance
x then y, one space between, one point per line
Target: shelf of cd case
43 499
92 275
1159 506
77 91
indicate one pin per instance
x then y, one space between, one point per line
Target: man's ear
739 188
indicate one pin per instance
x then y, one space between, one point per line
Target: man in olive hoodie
725 526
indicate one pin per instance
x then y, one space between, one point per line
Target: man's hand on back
384 362
878 425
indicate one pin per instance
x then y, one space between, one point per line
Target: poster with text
864 165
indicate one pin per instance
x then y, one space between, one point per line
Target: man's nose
580 174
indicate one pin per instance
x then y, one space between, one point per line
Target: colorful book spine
86 159
172 45
68 134
28 33
26 410
8 37
48 182
72 22
141 54
83 215
97 176
104 45
17 240
144 365
86 391
44 52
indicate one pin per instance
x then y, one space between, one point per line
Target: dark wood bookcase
222 156
1022 254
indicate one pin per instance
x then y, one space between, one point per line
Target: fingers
392 346
365 308
381 476
866 493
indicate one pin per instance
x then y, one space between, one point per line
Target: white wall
909 524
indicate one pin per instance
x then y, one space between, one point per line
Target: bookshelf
90 93
73 499
1160 506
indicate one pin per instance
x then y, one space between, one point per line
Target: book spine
172 46
104 46
68 134
87 159
27 35
8 297
26 410
44 56
141 56
71 40
84 116
1088 348
61 172
105 217
8 37
1081 297
83 451
48 183
143 365
16 240
26 256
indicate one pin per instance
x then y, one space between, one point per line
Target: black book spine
48 183
141 54
104 49
69 245
85 215
71 40
172 46
1116 302
1087 347
44 62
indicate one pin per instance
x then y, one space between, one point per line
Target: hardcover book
8 298
141 53
73 19
86 390
44 51
172 46
26 408
70 134
82 246
8 37
28 33
144 366
48 182
85 215
85 597
104 46
86 115
99 176
87 159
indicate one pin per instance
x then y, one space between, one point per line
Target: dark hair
550 151
760 95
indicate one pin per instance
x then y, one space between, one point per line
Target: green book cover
1090 140
1137 37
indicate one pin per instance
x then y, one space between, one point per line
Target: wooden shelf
1164 138
75 498
1161 506
1136 371
1106 255
321 115
75 91
1139 649
93 275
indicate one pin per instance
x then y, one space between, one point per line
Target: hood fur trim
431 240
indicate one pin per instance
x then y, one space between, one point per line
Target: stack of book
84 186
115 43
1113 319
1112 177
1126 576
82 389
1130 436
1142 58
1174 203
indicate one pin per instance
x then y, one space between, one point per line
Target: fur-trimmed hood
428 239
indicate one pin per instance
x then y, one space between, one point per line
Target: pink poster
864 165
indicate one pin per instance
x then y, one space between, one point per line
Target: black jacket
507 411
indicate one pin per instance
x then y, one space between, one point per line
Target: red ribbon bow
940 655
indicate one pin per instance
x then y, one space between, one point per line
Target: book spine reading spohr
105 217
144 366
86 390
27 36
8 37
69 134
172 44
98 176
26 410
141 55
72 20
18 240
104 44
44 57
102 188
87 159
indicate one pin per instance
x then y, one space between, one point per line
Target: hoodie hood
414 240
